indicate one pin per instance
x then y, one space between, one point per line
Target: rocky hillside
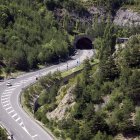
86 15
127 17
61 111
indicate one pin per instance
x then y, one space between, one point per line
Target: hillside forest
33 33
105 97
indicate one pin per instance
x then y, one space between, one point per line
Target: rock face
123 17
126 17
97 11
66 103
86 16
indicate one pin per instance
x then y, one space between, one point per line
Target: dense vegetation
107 96
118 78
3 135
94 115
34 32
29 35
46 88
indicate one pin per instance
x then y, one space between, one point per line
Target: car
8 84
11 136
76 53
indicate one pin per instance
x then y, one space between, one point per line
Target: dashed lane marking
8 108
11 111
3 96
18 83
10 89
6 102
34 136
6 105
21 124
14 115
7 93
17 119
3 99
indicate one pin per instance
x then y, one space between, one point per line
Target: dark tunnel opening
84 43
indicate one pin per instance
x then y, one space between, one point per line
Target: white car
8 84
76 53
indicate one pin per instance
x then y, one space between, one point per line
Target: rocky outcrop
100 12
86 16
126 17
123 17
66 103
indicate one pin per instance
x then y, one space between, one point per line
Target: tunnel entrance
83 43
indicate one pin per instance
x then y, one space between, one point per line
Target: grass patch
78 68
69 72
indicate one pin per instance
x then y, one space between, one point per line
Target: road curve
13 117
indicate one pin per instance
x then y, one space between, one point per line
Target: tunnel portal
83 43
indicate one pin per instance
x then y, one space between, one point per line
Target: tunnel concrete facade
83 42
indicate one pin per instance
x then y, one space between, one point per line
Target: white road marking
11 111
17 119
5 102
18 83
3 99
24 128
8 108
21 124
5 95
16 86
27 81
34 136
14 115
6 105
10 89
7 92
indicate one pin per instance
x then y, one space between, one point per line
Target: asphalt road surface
13 117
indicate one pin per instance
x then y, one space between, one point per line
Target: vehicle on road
77 53
8 84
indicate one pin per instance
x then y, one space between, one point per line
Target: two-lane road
12 115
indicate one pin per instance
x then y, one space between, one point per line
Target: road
13 117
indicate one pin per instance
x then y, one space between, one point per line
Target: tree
5 16
133 86
84 133
129 56
86 72
98 124
21 60
78 89
89 112
137 119
102 136
107 67
32 60
3 135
